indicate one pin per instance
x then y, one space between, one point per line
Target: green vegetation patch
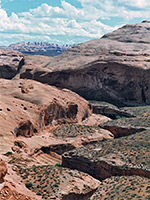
8 153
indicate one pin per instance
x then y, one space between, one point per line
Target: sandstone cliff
114 68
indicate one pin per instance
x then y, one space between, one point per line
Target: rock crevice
101 169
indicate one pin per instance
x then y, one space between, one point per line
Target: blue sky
66 21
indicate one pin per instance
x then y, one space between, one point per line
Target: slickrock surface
47 149
27 106
10 62
95 120
115 68
10 188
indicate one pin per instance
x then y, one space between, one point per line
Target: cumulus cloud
46 11
126 9
58 23
46 20
136 3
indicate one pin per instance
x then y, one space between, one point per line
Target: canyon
76 126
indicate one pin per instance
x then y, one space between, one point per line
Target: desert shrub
38 193
8 153
58 165
29 185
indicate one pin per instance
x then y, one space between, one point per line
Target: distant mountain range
38 48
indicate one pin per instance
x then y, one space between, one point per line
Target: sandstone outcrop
109 110
10 62
114 68
95 120
50 102
121 131
28 107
